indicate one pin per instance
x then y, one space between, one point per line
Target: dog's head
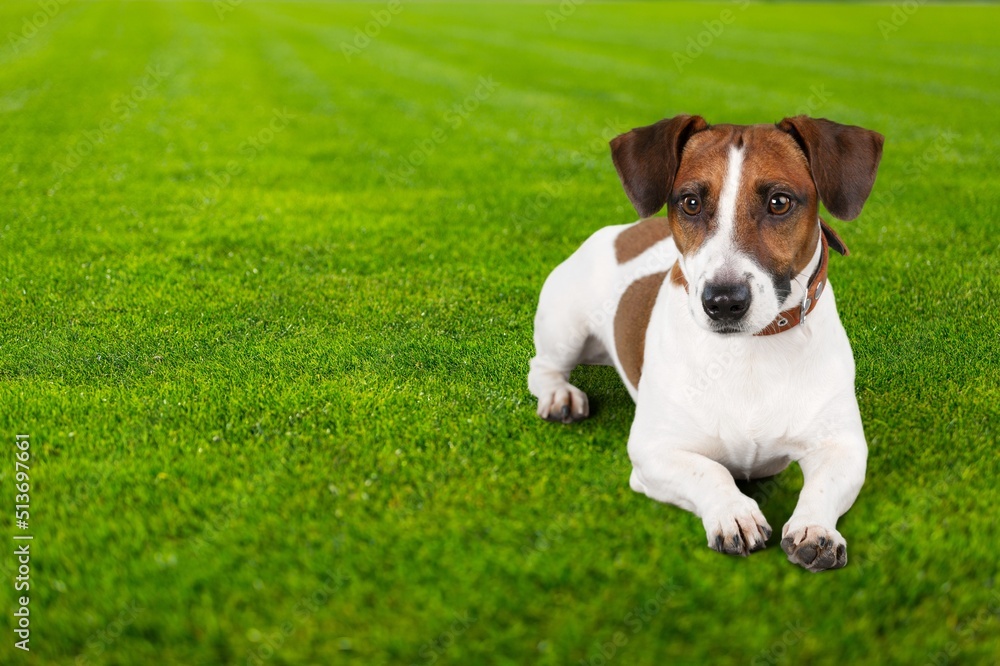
743 204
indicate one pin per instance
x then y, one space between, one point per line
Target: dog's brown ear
647 159
843 159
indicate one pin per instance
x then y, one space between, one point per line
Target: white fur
712 407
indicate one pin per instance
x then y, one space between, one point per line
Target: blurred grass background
267 293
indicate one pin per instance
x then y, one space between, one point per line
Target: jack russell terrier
721 322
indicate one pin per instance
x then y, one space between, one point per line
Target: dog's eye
691 204
779 204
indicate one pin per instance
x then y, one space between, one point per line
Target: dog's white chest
750 403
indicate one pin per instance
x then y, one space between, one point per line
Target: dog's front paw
564 404
738 528
815 548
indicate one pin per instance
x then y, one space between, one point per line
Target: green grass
287 416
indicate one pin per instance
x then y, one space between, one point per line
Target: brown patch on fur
631 322
677 276
772 163
640 237
702 171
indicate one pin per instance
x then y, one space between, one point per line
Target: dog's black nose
726 302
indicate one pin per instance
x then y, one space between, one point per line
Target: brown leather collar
793 316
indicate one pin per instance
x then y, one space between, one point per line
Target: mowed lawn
267 289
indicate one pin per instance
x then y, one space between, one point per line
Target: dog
722 324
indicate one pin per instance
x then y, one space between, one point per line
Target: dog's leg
575 308
576 301
559 349
563 339
733 522
833 476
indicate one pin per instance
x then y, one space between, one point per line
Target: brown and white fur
677 305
